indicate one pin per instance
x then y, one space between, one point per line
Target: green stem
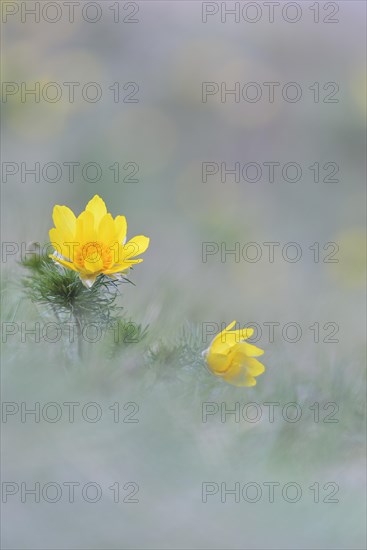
79 331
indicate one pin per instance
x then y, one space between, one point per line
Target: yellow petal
65 222
85 232
120 254
254 367
98 208
121 228
93 266
225 340
107 230
65 249
217 362
248 350
238 375
65 263
120 268
136 246
230 326
242 333
240 379
228 338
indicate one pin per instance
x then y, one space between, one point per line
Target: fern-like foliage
61 291
123 334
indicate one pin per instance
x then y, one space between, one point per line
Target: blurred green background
169 133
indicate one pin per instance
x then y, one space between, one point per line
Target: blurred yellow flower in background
350 269
94 243
229 357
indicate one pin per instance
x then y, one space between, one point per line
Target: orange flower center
93 252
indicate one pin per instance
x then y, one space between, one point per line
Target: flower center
94 253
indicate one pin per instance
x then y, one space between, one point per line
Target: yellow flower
229 357
94 243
